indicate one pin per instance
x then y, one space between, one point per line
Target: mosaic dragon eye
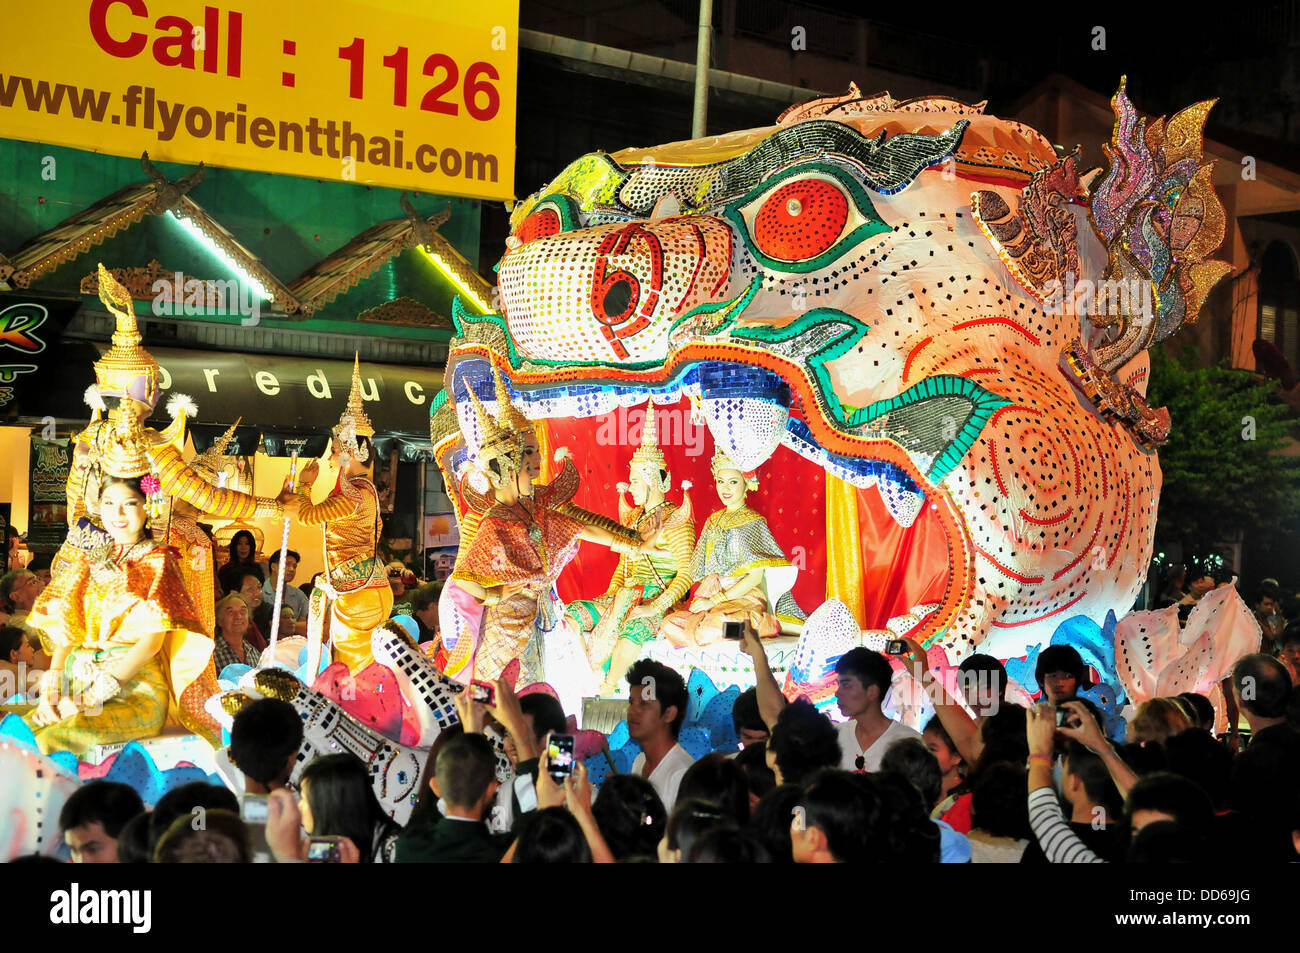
801 219
806 218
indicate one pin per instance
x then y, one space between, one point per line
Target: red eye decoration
540 224
800 220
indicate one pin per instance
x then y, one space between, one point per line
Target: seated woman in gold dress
127 640
738 569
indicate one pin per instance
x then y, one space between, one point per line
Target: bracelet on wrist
1035 758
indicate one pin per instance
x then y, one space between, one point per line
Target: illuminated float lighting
455 279
186 223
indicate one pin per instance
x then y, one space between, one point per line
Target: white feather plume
622 487
686 485
179 404
562 453
94 399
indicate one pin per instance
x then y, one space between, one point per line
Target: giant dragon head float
892 291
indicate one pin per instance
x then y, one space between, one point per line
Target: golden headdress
123 447
502 437
126 369
723 462
648 460
355 422
207 463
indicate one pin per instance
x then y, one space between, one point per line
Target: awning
283 400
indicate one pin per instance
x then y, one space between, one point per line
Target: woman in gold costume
127 640
649 584
738 565
354 579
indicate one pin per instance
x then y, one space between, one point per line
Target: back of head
106 803
912 760
1062 658
222 839
133 841
718 779
1202 707
11 640
690 820
548 714
266 733
1003 734
1158 719
998 803
803 740
1263 685
744 712
1200 759
667 684
338 791
1167 843
727 845
552 836
630 815
770 821
850 811
912 836
758 776
188 801
868 667
465 768
1095 777
1168 793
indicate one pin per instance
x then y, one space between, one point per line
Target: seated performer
733 566
523 539
188 491
354 579
126 636
648 585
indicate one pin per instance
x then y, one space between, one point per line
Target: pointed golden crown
126 369
649 458
355 415
502 436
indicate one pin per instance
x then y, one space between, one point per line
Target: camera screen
323 851
559 756
253 809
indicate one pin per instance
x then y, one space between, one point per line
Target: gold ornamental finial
206 462
356 405
126 369
508 415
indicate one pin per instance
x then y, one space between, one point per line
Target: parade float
875 371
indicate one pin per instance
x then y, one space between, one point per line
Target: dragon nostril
618 297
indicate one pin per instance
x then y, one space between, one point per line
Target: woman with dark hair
13 552
1061 673
718 779
630 815
243 555
337 800
691 820
127 638
552 836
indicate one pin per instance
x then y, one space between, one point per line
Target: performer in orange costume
354 579
523 539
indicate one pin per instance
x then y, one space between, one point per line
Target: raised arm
770 700
956 721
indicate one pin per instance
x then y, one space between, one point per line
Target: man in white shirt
863 678
656 708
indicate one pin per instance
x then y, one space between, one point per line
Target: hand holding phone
252 809
733 630
559 757
896 647
483 692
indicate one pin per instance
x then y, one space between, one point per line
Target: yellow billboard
412 95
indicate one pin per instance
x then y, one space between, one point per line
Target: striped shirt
1059 844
